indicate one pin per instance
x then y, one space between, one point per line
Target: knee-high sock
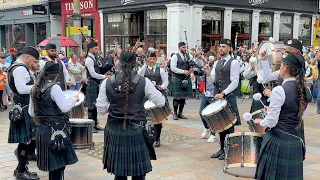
90 114
120 178
57 174
158 129
32 147
22 157
138 177
175 106
95 116
181 105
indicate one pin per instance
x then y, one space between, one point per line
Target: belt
289 134
51 119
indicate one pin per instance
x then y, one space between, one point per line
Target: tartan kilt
176 90
22 131
48 160
281 157
125 151
92 91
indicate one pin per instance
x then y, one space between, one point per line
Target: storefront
90 18
25 26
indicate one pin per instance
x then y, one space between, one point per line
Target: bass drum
78 111
274 51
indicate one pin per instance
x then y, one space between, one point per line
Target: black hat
30 51
226 41
92 45
294 43
51 68
51 46
152 54
294 60
181 44
127 57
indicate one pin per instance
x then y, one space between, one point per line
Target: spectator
3 81
5 51
76 72
4 65
13 56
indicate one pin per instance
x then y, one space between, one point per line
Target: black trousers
133 178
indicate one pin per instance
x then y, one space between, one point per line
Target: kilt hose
281 157
92 91
48 160
126 152
24 130
176 89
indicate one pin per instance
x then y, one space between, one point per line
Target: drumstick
80 88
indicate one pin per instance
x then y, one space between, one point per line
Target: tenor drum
242 154
259 114
219 116
78 110
156 114
274 51
81 133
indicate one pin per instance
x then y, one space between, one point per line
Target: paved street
182 156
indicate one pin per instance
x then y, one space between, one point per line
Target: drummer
159 77
48 105
226 79
283 153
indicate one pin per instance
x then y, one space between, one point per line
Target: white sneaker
211 139
205 133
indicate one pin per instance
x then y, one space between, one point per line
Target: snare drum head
70 93
214 107
149 105
81 121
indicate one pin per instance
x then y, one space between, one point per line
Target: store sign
258 2
67 6
125 2
40 10
26 13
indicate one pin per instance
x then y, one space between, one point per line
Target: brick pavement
184 159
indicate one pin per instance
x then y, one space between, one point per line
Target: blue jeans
75 87
318 101
314 90
205 101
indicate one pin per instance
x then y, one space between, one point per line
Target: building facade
163 23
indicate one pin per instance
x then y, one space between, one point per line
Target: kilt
92 91
22 131
126 152
48 160
281 157
176 90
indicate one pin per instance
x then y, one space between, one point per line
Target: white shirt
277 100
163 74
4 66
150 91
174 61
42 63
90 66
234 75
58 97
247 73
21 78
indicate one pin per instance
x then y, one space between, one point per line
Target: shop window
285 27
157 29
211 29
305 30
114 24
240 29
41 30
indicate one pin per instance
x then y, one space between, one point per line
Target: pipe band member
159 77
127 148
93 81
22 130
226 79
181 85
49 106
282 151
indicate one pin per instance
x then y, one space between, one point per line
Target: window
265 25
157 29
305 30
285 26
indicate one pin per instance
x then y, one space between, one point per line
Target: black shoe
217 154
182 116
175 117
222 156
32 157
97 127
157 143
15 172
94 130
26 176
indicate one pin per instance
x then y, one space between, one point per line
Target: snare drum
259 114
81 133
78 110
242 153
158 115
219 116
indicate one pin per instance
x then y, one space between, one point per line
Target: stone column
276 25
313 21
176 25
3 37
255 27
296 22
29 32
227 22
195 28
102 32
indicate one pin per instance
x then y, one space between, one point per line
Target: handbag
16 114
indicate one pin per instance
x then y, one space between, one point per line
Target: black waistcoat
22 99
136 109
45 106
222 76
288 118
181 64
96 69
156 77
